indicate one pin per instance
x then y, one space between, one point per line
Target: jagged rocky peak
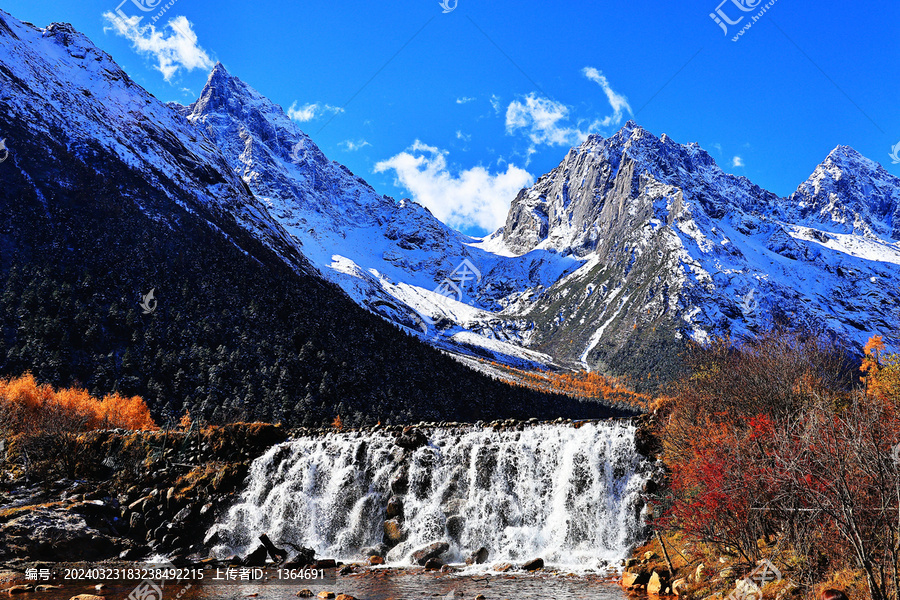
848 193
602 180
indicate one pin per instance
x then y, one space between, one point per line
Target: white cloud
351 146
311 111
472 197
495 103
172 51
547 122
543 120
737 161
463 136
618 102
465 100
717 147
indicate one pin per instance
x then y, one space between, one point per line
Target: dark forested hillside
107 193
237 334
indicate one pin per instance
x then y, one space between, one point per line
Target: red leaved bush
775 439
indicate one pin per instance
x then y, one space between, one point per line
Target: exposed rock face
154 506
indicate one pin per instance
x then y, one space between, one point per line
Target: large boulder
398 553
421 556
534 564
400 481
256 558
657 584
478 557
55 534
394 507
394 533
632 581
412 439
455 526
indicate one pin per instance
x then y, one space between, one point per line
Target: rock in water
394 507
534 564
657 584
421 556
631 581
394 532
478 557
412 439
257 558
19 589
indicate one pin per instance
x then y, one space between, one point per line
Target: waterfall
570 495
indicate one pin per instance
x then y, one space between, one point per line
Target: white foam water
570 495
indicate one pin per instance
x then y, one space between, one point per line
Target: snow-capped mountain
133 258
98 110
631 246
387 254
674 247
848 193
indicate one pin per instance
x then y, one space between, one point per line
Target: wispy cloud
351 146
311 111
465 100
495 103
618 102
737 161
174 46
471 197
463 136
548 122
543 120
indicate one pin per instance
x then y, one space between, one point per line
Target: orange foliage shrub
581 384
29 407
882 371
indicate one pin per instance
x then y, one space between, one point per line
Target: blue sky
460 109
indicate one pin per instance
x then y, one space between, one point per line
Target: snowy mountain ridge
631 246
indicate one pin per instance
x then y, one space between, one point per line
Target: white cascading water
568 495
